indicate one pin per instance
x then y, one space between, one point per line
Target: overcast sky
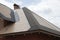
48 9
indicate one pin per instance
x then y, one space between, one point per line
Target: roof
37 22
6 13
29 21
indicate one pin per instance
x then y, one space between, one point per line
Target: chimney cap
16 6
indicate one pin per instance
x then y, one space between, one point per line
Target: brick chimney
16 6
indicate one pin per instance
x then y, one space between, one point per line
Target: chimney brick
1 23
4 23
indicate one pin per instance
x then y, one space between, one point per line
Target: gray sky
48 9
